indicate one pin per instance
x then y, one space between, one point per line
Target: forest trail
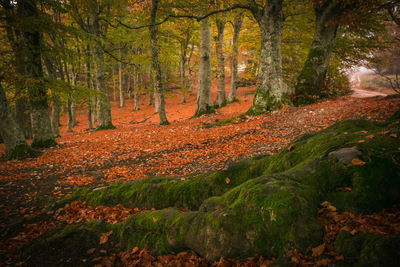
187 146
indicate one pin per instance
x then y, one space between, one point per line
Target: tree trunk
151 88
182 62
13 137
55 107
114 84
203 104
311 80
237 24
270 93
136 90
158 85
103 102
128 85
121 91
89 87
42 133
220 101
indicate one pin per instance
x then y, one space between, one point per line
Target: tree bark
156 69
270 93
203 104
237 24
221 99
182 63
13 137
55 107
136 90
103 102
89 87
42 133
311 80
120 77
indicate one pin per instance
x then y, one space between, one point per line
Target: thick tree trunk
121 83
203 104
221 99
42 133
237 24
103 101
156 69
22 115
270 92
11 134
311 80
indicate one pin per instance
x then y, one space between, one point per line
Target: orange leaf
364 131
104 237
345 189
370 136
323 262
357 162
90 251
227 180
183 179
318 250
290 147
393 135
134 250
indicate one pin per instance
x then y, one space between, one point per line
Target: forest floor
139 147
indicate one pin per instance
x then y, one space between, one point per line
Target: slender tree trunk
203 104
42 133
182 72
237 24
158 85
136 90
89 87
69 100
120 76
270 93
114 83
13 137
103 102
128 84
151 88
311 80
55 107
73 105
221 99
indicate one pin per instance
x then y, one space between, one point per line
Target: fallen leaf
393 135
364 131
227 180
323 262
370 136
290 148
90 251
361 141
183 179
134 250
357 162
104 237
317 251
344 189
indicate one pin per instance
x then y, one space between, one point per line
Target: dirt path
359 92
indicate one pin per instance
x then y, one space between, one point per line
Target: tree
13 137
28 40
220 101
156 68
203 103
237 24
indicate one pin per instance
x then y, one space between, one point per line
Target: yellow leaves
227 180
104 237
357 162
361 141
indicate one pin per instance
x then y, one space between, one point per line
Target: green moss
270 204
44 143
208 110
21 152
271 102
105 127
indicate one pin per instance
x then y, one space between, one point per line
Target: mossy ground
269 204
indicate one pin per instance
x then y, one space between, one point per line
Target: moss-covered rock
270 203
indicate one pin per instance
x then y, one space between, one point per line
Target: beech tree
220 101
237 24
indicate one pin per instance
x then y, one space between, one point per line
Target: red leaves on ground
76 180
78 211
357 162
385 222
